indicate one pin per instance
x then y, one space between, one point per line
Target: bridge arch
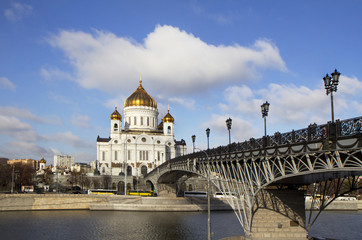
166 183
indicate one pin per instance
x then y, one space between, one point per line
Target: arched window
168 153
115 127
141 121
169 129
104 170
129 171
143 170
148 121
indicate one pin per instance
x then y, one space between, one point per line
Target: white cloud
54 74
290 103
293 106
13 127
84 157
5 83
70 139
186 102
241 129
17 11
29 148
171 60
241 99
26 114
81 121
115 102
20 113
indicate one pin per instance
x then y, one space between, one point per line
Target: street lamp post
208 188
12 179
330 84
125 165
264 113
193 137
208 191
228 125
207 135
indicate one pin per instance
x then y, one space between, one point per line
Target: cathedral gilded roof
42 160
116 115
140 98
168 118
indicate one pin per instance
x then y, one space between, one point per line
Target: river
112 225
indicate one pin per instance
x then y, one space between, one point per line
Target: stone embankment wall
11 202
18 202
339 205
15 202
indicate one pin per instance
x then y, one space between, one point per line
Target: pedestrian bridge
270 175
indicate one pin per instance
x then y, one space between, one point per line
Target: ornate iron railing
350 126
313 133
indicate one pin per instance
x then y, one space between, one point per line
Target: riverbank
33 202
30 202
339 205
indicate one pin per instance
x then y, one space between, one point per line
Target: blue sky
64 65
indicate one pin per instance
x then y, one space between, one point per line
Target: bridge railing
313 133
351 126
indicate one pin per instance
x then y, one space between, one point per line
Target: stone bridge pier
278 214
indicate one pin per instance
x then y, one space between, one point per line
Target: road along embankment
30 202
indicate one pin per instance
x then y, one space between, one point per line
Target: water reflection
111 225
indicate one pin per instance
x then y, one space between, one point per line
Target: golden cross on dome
140 78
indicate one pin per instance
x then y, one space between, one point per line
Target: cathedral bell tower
168 124
116 123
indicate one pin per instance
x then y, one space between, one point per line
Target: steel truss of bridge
271 173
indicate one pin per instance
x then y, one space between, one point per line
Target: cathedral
143 143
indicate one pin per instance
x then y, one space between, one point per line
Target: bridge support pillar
166 189
279 214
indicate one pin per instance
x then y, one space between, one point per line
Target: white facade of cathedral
142 144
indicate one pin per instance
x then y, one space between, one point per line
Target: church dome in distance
168 118
42 160
115 115
140 98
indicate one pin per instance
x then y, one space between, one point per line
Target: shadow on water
346 225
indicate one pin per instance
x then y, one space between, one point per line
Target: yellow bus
140 193
102 191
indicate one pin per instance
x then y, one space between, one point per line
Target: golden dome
168 118
115 115
43 160
140 98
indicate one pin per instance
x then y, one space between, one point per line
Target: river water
112 225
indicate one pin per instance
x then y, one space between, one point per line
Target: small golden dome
115 115
140 98
43 160
168 118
